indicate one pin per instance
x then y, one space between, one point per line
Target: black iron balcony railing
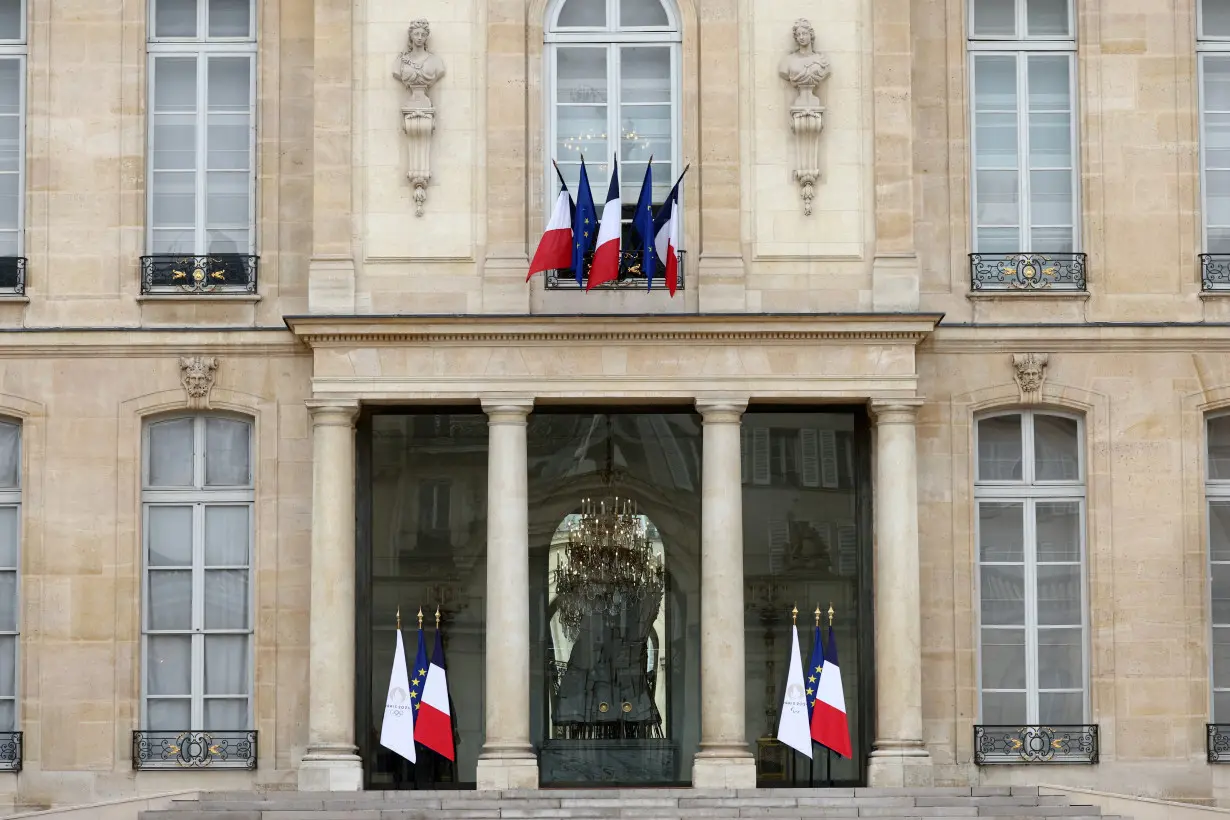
1035 744
631 277
10 751
1215 271
193 750
211 273
1027 271
1218 742
12 275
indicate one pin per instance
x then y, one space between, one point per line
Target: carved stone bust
1029 370
196 374
805 68
417 68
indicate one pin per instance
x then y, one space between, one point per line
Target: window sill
1215 294
10 298
987 295
200 297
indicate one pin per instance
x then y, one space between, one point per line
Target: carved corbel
418 70
1029 371
805 69
197 374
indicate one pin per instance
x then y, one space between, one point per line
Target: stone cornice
147 343
1080 338
349 331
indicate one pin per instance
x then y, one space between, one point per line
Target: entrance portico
716 365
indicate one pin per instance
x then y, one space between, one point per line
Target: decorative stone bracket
806 123
418 70
418 124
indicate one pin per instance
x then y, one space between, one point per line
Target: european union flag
642 222
811 674
584 225
418 673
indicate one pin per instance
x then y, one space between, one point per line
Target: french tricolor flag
666 235
605 267
555 248
829 726
433 725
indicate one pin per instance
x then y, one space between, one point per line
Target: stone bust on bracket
805 68
417 68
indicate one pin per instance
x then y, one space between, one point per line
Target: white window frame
1028 492
11 497
1020 46
1206 46
611 38
198 498
18 49
202 47
1215 491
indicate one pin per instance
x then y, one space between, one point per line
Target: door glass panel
1001 531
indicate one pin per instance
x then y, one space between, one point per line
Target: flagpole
811 769
830 751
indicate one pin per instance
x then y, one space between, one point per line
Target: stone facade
875 285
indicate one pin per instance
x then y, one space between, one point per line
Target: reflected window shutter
779 535
810 446
744 464
828 457
760 456
674 455
847 549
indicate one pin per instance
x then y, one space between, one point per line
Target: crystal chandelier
608 563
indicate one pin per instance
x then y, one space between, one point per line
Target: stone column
724 761
331 762
507 760
899 757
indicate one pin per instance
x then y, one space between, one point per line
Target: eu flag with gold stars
584 228
642 221
811 675
418 673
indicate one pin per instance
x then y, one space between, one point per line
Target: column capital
721 409
894 411
333 412
507 409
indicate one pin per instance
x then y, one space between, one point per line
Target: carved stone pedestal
418 124
807 123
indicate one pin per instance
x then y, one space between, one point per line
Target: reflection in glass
999 448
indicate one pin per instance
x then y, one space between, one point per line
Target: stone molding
894 411
332 413
507 410
722 410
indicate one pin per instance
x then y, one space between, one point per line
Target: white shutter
744 464
779 536
810 468
847 550
760 456
828 458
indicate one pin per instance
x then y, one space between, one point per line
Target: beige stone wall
82 399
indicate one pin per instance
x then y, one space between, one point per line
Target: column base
507 769
335 769
723 770
900 768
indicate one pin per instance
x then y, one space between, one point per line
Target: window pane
1003 659
170 600
1050 199
226 453
1221 706
230 81
232 240
226 599
1047 18
1050 140
8 665
580 129
1003 708
1216 18
1056 449
645 131
1217 197
588 13
1049 83
230 18
175 18
1059 595
170 453
1002 590
1216 81
9 200
1001 531
1221 660
994 83
8 715
640 13
168 715
226 666
227 532
1056 708
999 449
170 536
995 140
8 602
998 240
1219 530
645 74
174 84
998 198
169 658
10 519
10 20
174 147
1060 659
10 455
1219 448
174 203
994 18
1221 593
228 138
221 715
10 86
227 198
1059 530
580 75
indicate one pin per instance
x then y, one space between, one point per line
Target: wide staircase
993 803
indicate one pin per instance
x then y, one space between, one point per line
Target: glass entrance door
615 564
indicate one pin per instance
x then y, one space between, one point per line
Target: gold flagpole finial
420 617
437 617
830 614
817 615
794 615
399 618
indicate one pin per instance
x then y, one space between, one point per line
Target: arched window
197 502
1217 496
613 69
1030 495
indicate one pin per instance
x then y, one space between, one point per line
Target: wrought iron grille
1035 744
1218 743
193 750
10 751
13 274
212 273
1215 271
631 277
1027 271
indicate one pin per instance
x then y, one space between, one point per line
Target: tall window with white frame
12 146
1030 523
1024 175
10 576
613 90
197 503
1213 47
1217 497
202 137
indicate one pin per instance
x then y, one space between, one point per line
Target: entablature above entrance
791 357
